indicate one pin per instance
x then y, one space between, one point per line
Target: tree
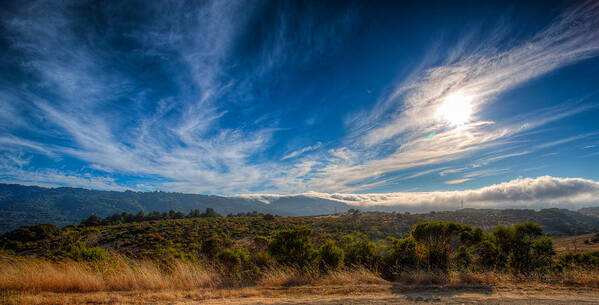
92 221
210 212
515 246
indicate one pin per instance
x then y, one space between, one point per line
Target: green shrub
435 238
487 255
463 257
232 260
400 256
331 256
361 252
588 260
80 252
293 247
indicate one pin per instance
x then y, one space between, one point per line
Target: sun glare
456 108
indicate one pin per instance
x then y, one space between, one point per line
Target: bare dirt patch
331 294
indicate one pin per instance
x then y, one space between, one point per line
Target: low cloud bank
540 192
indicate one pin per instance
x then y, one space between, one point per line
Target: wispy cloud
457 181
298 152
483 72
84 102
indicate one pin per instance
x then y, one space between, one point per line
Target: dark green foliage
331 256
361 252
293 246
542 253
587 261
213 244
233 260
487 255
463 258
519 248
400 256
32 233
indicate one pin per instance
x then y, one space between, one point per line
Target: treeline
125 217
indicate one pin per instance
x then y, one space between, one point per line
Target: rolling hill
29 205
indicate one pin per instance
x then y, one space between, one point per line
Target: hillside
185 236
28 205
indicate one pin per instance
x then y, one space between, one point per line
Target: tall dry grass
117 275
121 274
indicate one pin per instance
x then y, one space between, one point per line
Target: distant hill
29 205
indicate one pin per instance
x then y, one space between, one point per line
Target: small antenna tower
462 204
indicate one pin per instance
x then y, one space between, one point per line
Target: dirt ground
329 295
435 296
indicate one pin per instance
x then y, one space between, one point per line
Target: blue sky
282 97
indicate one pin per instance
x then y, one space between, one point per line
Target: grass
35 275
38 281
121 274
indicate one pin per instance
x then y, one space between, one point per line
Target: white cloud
541 192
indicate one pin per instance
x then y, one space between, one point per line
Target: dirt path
328 295
436 296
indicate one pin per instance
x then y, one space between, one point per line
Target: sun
456 108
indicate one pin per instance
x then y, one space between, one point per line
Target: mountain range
29 205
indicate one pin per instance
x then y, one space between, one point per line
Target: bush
588 260
331 256
518 248
435 237
232 260
463 257
361 252
80 252
293 247
400 256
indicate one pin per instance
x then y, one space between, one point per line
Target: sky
385 102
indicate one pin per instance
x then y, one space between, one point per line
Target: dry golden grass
285 276
575 244
355 276
37 281
119 275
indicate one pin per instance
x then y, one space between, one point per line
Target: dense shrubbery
435 246
80 252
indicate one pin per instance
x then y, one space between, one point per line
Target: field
353 257
577 243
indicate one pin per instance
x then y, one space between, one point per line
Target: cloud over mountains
541 192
